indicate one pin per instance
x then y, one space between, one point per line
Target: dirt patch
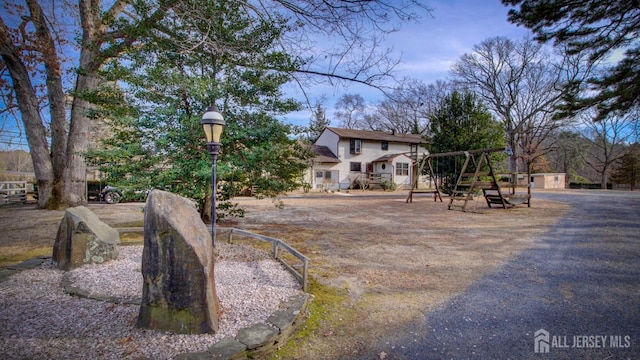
393 261
390 262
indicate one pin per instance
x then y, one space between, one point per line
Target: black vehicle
99 191
110 195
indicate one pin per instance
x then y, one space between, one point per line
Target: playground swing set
476 175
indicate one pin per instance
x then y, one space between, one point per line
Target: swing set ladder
468 182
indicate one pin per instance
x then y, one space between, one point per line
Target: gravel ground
40 321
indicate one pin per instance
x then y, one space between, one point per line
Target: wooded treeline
122 85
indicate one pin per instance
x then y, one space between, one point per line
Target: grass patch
325 313
131 239
16 258
131 224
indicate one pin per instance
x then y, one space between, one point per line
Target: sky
428 48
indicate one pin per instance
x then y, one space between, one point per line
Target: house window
556 179
324 176
384 145
355 146
402 169
355 166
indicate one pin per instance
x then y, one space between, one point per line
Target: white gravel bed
39 321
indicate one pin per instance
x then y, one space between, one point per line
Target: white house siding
328 180
403 181
330 140
370 151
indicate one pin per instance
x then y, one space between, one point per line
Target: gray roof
324 155
377 135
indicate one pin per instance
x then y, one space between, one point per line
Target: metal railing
377 177
278 244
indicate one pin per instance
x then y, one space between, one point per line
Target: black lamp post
213 123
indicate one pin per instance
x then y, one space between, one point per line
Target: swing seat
517 199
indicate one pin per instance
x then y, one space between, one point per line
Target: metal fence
12 192
278 244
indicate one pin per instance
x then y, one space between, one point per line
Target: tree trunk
205 209
75 171
30 112
57 103
513 157
604 178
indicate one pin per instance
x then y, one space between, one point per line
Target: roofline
376 135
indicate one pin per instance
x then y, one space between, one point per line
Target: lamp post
213 123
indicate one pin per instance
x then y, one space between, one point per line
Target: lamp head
213 123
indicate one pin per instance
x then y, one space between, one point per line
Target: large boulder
178 291
84 239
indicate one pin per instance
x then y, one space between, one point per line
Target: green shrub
387 185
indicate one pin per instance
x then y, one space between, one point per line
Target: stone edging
255 341
260 339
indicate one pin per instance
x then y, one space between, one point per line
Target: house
347 158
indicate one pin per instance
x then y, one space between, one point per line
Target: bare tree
350 111
16 160
109 29
569 152
356 29
23 53
335 42
609 138
408 108
522 85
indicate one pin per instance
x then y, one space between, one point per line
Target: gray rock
228 349
178 292
193 356
283 318
257 335
28 264
83 239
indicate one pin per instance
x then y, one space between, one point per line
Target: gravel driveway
580 284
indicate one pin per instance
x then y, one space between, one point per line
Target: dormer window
355 146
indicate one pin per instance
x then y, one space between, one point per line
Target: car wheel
112 197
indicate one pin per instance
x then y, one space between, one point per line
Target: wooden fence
12 192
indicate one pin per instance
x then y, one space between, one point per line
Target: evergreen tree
462 123
595 28
158 141
317 123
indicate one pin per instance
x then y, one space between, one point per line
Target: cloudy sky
430 47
